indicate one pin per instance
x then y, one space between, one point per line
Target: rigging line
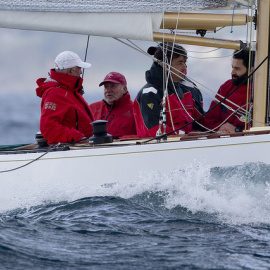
213 97
166 89
168 76
86 51
224 97
136 48
210 57
249 65
10 170
51 148
156 60
163 116
198 118
232 18
220 28
216 49
223 122
186 109
235 111
169 105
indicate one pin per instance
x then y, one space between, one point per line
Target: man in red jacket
230 115
65 115
116 107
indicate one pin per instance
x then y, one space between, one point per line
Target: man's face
75 71
179 67
113 91
239 72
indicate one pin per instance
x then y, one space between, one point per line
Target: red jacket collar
59 80
65 80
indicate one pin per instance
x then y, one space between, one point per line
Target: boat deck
33 148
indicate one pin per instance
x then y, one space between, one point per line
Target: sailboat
27 171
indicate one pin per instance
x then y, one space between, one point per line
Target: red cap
114 77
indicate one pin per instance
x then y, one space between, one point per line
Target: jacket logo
150 105
127 113
50 105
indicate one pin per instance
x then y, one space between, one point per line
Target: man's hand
227 128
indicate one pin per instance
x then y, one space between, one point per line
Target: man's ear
69 71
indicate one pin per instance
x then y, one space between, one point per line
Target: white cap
68 59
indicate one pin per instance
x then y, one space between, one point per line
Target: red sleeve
213 117
53 111
141 128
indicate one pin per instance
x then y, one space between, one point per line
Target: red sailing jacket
215 117
119 116
178 114
65 115
148 102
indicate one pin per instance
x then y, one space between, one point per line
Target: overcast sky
28 55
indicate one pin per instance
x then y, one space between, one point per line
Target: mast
261 76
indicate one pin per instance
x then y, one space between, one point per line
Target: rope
198 118
213 97
86 50
249 65
51 148
166 77
14 169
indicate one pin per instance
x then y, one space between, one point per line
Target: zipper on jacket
110 110
77 120
110 120
86 108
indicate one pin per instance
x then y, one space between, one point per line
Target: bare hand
227 128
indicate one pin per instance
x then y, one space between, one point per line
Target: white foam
239 195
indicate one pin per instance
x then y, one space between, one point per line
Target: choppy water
197 218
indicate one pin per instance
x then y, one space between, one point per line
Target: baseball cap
68 59
114 77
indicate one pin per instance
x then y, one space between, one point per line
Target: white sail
129 19
139 26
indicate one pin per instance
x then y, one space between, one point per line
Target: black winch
100 133
41 141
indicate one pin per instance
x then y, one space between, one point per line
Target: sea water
193 218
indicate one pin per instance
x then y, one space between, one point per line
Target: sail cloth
132 19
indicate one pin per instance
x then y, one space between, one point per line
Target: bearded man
223 119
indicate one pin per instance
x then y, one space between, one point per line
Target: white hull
88 169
